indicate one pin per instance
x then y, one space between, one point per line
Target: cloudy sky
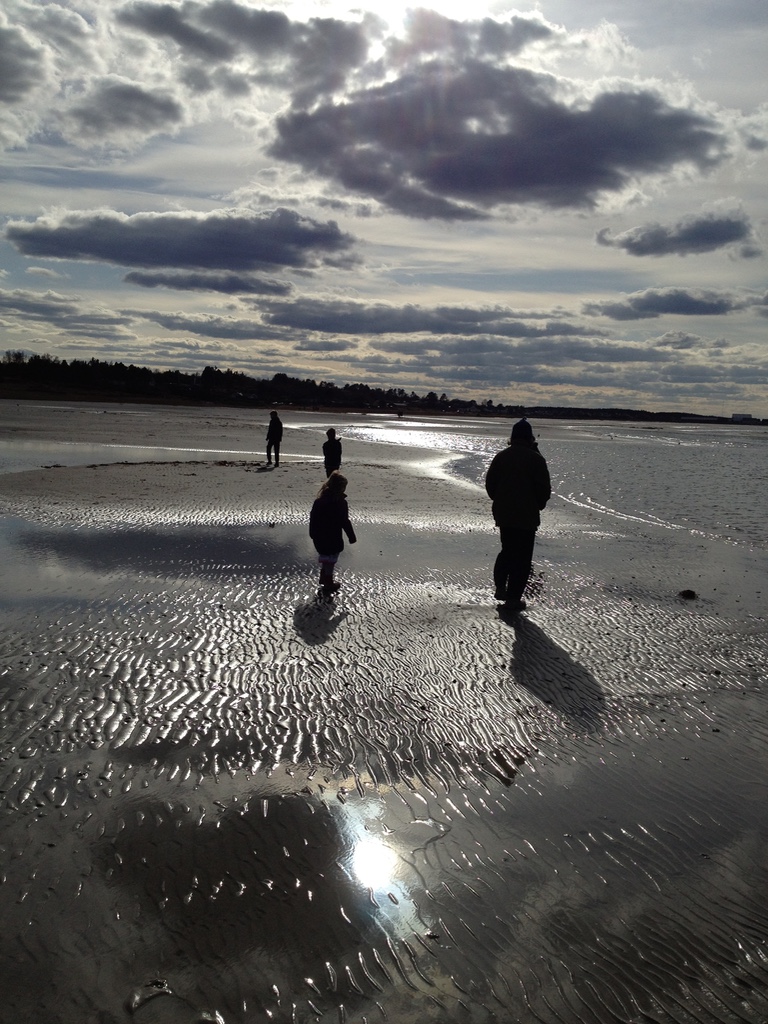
563 204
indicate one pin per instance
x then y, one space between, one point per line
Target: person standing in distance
331 452
518 484
274 437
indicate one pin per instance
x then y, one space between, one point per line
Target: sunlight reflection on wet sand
224 796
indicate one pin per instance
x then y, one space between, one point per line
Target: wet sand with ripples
223 799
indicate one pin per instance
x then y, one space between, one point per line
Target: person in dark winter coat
274 437
331 452
328 520
518 484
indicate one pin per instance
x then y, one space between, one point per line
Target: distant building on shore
743 417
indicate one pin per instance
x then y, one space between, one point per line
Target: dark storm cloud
341 317
226 240
698 372
36 305
230 284
656 302
264 32
490 361
510 37
450 141
690 235
321 52
123 106
164 21
536 352
68 35
427 32
679 340
63 313
682 341
755 142
324 345
20 65
310 57
208 325
314 325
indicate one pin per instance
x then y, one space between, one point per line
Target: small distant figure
518 484
274 437
328 519
331 451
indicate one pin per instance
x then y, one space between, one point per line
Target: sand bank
225 799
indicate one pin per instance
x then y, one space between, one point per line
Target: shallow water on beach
706 479
710 479
224 799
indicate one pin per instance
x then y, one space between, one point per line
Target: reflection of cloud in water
260 887
202 552
287 887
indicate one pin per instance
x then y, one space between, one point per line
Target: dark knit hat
522 431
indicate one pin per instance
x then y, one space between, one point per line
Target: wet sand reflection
226 801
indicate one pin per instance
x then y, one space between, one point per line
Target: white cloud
406 200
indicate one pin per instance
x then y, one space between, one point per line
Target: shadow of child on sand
316 620
551 674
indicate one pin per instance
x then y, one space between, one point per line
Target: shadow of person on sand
316 620
551 674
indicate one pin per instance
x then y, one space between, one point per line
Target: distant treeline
37 376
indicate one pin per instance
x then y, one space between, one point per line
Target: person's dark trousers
276 446
514 561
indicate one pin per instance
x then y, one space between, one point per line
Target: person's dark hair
335 486
522 431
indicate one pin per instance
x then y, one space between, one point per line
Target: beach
227 799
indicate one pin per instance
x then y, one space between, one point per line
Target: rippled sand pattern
227 799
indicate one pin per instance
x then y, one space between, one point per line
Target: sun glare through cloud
517 203
393 16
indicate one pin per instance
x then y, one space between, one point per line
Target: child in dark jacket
328 519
